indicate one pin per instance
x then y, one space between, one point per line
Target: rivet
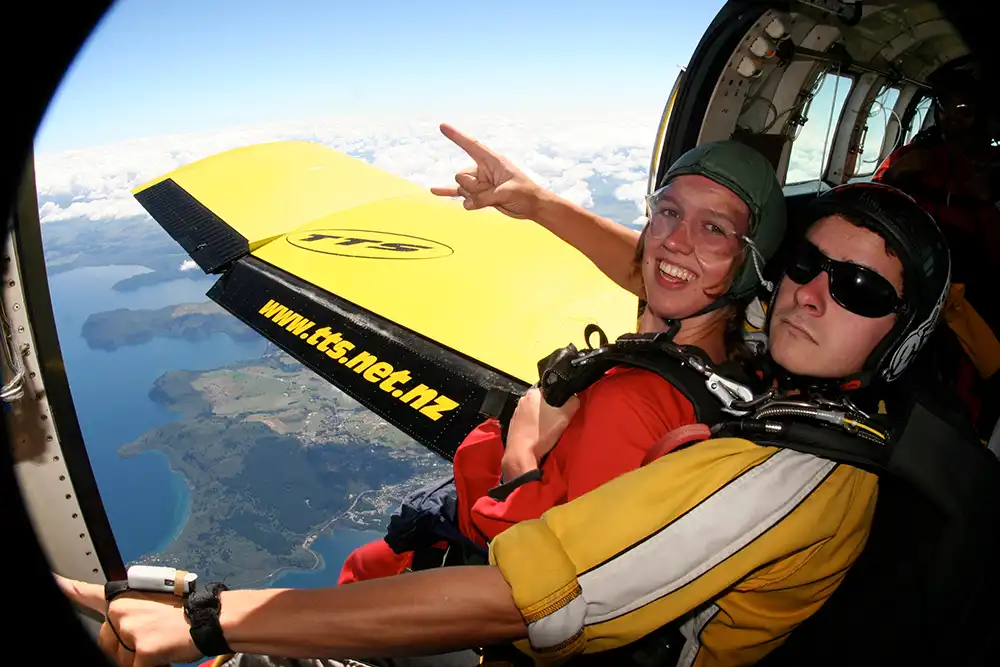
68 496
62 478
75 515
83 535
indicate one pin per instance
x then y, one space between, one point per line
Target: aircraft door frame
656 153
50 457
711 57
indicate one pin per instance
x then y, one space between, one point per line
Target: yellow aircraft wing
406 301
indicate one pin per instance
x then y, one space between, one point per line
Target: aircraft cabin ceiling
911 38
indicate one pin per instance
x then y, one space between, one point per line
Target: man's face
960 118
810 333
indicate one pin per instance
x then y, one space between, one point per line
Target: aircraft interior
841 85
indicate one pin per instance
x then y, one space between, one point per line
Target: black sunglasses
858 289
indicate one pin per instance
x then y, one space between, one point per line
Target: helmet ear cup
906 351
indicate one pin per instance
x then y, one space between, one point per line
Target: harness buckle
730 393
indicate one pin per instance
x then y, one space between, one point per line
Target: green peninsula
112 329
274 455
155 277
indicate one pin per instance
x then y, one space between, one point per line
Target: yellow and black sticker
367 365
426 390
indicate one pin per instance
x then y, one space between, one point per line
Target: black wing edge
206 237
431 393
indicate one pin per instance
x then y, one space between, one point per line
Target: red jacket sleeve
890 160
620 417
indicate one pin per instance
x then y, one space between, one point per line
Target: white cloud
560 153
188 264
578 193
95 209
635 192
807 157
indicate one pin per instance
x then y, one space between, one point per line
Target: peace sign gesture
493 181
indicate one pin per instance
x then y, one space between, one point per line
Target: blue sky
156 67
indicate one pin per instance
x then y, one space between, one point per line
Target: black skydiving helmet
751 177
916 240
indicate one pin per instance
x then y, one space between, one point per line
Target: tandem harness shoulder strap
568 371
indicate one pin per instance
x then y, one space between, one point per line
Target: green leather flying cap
751 177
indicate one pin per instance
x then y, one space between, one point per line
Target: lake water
147 503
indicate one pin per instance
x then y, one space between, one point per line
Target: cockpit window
814 137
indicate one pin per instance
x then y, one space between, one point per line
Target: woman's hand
493 181
534 430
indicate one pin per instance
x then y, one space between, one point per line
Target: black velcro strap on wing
206 237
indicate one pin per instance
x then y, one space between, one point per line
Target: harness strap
569 371
682 435
817 440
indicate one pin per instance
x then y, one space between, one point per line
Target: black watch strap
202 608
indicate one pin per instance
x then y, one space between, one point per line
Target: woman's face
692 245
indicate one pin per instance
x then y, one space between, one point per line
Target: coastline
325 531
182 492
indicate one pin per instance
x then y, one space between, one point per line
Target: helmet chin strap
674 323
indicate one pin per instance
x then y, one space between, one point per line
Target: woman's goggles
710 237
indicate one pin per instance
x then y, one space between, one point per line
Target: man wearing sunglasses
845 301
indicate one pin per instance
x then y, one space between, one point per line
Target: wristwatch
202 609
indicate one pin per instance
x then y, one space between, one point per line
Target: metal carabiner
729 392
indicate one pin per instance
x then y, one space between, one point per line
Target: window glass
811 145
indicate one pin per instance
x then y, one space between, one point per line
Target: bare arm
412 614
495 181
